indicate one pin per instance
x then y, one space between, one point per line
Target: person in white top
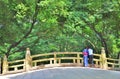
90 52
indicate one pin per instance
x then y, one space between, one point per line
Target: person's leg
83 61
86 61
91 60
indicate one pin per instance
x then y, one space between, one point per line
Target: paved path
67 73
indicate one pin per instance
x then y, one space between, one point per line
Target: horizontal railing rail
112 63
16 66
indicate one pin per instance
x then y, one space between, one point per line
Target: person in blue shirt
85 57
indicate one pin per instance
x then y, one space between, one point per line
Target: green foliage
16 56
20 11
58 25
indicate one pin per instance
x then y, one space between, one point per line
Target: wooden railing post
28 60
78 58
0 65
119 61
55 61
103 59
5 65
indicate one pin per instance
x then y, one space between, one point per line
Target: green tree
58 25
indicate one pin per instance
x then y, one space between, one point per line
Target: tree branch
101 38
28 33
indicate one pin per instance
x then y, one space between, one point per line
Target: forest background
59 26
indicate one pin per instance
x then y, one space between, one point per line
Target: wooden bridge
72 60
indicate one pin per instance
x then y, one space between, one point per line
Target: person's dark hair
87 47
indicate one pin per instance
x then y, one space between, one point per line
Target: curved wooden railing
57 59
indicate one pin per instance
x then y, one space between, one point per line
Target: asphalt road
66 73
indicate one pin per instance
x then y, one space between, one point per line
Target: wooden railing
57 59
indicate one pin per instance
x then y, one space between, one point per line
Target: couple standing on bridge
87 56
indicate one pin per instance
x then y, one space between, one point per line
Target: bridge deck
67 73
